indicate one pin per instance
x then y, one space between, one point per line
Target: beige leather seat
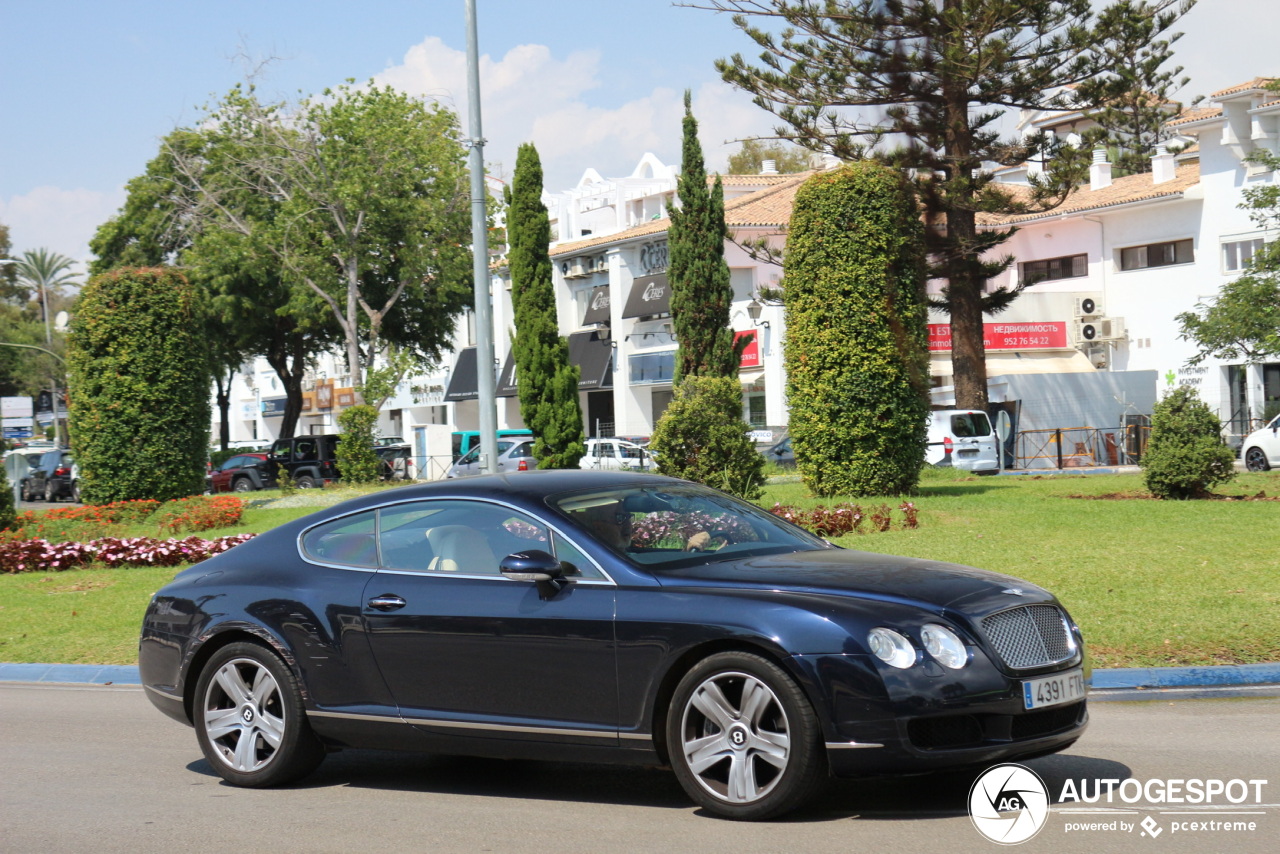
458 548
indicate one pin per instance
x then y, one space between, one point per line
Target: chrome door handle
387 602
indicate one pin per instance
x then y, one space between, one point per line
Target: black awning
594 356
464 383
649 295
597 307
507 380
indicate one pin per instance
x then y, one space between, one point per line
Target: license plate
968 452
1053 690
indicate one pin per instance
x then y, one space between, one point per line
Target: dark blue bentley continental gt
611 617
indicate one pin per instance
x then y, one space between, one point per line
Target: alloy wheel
243 715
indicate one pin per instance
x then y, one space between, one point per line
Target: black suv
51 477
307 460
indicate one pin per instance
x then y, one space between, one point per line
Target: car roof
530 486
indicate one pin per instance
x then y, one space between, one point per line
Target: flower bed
44 556
845 518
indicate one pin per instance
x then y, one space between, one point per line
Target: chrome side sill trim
434 722
850 745
164 694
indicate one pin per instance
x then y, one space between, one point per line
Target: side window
452 536
402 534
576 564
523 450
304 450
348 541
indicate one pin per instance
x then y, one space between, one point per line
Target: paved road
96 768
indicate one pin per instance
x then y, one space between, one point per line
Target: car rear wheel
1256 460
743 739
250 720
75 492
242 484
50 494
305 481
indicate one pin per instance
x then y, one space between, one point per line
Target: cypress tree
697 272
857 378
547 382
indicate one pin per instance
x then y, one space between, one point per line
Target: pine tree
697 272
932 79
546 381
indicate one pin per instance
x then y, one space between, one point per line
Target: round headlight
891 648
944 646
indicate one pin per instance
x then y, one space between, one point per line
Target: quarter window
1157 255
1067 267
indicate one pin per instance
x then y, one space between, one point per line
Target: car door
467 651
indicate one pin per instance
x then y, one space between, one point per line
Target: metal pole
480 247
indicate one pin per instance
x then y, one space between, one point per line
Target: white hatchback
1261 448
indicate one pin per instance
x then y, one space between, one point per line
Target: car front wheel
242 484
743 739
50 494
1256 460
250 720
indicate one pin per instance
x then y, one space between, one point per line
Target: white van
962 438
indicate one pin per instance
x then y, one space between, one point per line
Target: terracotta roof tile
1123 191
1255 83
1189 116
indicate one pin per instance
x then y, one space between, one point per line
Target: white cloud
531 95
57 219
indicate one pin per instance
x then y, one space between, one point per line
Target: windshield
675 526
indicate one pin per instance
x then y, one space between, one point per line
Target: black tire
75 492
50 493
250 721
242 484
743 739
305 481
1256 460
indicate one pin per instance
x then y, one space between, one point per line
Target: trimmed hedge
702 437
1185 456
357 461
857 344
138 384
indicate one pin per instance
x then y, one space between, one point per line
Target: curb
1115 679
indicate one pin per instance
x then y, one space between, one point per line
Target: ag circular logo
1008 804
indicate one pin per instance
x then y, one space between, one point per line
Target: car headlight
942 643
891 648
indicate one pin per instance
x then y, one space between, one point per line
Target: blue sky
87 87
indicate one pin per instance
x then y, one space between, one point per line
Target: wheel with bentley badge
743 739
250 720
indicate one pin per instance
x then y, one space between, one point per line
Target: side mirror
537 566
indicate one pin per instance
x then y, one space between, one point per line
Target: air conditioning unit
1089 306
576 268
602 264
1099 356
1097 330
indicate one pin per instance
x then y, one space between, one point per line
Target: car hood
845 572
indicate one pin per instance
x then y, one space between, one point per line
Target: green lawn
1150 582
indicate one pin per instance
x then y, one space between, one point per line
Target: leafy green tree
139 405
697 271
45 274
1185 455
750 158
10 290
922 85
357 461
8 513
857 378
702 437
546 380
374 214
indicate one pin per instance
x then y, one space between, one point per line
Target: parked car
242 473
465 441
50 477
396 461
613 453
568 615
1260 450
514 454
781 454
962 438
308 461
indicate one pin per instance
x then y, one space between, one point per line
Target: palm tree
45 270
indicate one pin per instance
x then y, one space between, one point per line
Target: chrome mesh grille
1030 636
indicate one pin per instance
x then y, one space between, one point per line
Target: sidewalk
1116 679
